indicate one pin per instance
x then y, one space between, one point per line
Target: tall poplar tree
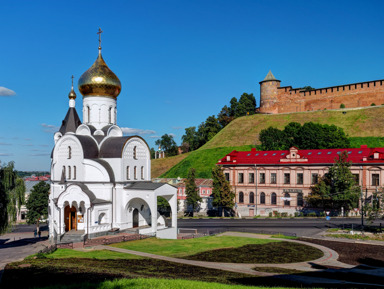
222 194
192 191
7 184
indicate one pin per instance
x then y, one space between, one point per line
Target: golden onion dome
99 80
72 93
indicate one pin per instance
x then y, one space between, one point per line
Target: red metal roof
316 156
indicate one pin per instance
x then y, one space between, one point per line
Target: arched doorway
70 218
135 218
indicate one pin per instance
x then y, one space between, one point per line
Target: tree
308 88
222 194
37 204
190 137
272 139
191 190
233 107
16 199
153 153
168 145
7 184
374 206
224 117
309 136
246 105
207 130
337 188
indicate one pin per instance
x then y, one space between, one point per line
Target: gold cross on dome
99 32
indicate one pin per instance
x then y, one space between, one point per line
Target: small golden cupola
99 80
72 93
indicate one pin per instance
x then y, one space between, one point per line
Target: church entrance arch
135 218
138 213
70 218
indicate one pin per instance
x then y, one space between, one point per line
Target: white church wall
95 172
101 111
115 164
136 155
68 156
102 191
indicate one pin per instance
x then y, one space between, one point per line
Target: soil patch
352 253
274 253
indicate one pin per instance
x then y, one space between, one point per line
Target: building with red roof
278 181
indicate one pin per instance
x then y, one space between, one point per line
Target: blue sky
178 61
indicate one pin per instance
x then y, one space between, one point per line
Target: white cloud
5 155
4 144
177 127
39 155
137 131
49 128
155 136
6 91
172 134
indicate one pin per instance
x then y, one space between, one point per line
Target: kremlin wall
276 99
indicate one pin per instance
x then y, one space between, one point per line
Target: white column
154 216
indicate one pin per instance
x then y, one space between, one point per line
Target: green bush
312 214
297 214
342 105
322 214
270 214
276 214
373 104
284 215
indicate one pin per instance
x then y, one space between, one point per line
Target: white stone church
101 180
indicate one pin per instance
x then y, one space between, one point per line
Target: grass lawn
142 283
183 248
95 254
377 237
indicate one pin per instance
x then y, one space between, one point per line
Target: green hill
363 126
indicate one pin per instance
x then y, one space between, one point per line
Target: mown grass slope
363 126
203 160
367 122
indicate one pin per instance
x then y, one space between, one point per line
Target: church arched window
110 115
69 172
69 152
135 173
142 173
74 172
127 173
251 197
63 172
135 152
88 114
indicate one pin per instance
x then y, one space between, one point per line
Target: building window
315 178
227 176
135 152
287 178
300 178
251 198
375 180
287 199
357 178
251 178
127 173
110 115
241 197
262 198
69 152
74 172
89 114
300 201
241 178
135 173
142 173
262 178
63 172
273 178
273 199
69 172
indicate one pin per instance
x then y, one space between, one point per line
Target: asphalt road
299 227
